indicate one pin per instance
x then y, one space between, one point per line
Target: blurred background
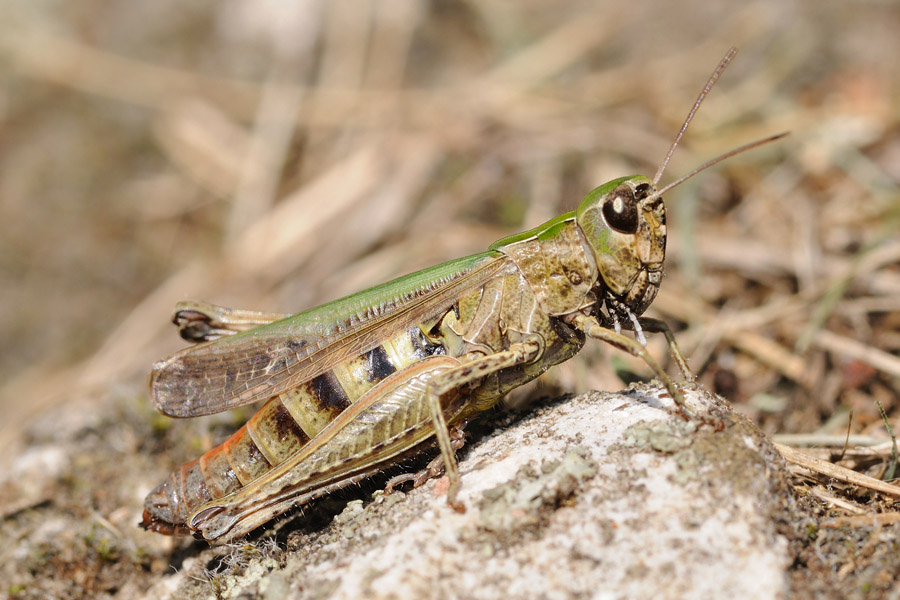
275 155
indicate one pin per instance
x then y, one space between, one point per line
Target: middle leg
461 377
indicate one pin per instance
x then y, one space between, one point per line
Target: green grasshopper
358 384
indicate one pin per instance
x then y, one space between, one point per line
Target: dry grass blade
867 520
843 504
838 472
827 440
842 345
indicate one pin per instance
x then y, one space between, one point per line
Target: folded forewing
268 360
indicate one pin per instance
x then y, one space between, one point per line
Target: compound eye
620 211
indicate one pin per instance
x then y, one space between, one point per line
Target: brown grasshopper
357 384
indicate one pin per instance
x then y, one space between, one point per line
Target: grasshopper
355 385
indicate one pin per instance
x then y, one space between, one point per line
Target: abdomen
281 428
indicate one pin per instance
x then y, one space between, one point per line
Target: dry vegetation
267 157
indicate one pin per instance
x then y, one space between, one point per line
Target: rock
600 495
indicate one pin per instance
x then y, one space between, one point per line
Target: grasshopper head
624 222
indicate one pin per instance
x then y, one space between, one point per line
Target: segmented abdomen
278 431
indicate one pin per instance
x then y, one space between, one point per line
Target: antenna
719 159
709 84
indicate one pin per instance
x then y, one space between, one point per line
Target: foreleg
591 327
658 326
